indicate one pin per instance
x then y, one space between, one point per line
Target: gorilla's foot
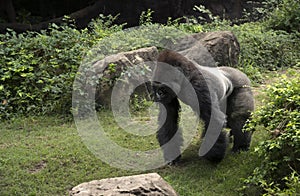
175 161
217 152
215 156
241 143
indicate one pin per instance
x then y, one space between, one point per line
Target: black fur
168 129
209 88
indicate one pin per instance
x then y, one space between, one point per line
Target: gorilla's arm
240 104
169 135
214 144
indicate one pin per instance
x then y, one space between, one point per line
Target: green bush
285 16
275 14
37 69
267 49
280 167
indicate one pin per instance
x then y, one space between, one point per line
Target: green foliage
267 49
146 17
285 16
280 168
216 23
135 38
253 72
258 10
37 69
276 14
103 26
139 104
190 26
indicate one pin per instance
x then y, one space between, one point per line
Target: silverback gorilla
224 99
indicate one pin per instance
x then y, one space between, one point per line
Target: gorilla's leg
217 152
214 131
215 139
240 104
169 135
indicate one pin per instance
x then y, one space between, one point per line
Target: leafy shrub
276 14
215 22
139 103
285 16
146 17
259 10
37 69
267 49
280 167
254 73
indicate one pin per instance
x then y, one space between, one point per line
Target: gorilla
223 97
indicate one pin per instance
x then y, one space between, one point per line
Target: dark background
16 13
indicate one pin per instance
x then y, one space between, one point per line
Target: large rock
211 49
146 184
223 46
111 67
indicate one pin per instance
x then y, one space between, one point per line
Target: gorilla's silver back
238 78
216 79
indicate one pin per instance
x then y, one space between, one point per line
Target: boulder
211 49
111 67
145 184
222 45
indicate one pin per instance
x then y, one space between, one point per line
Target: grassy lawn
46 156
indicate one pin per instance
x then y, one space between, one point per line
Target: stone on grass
143 185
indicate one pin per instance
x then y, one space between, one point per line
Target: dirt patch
38 167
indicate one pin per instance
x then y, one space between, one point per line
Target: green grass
45 156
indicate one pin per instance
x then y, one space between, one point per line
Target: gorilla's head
162 93
166 82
